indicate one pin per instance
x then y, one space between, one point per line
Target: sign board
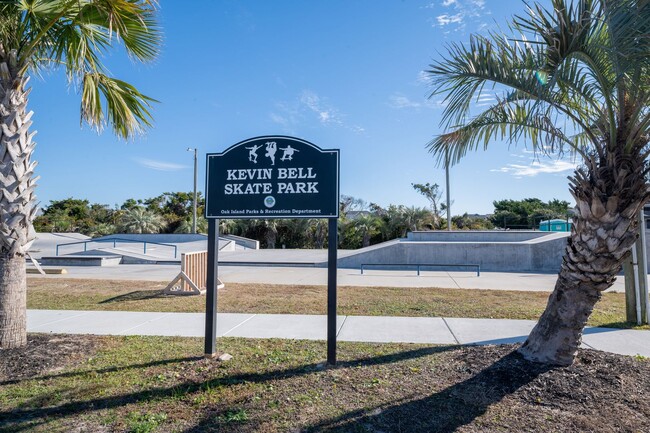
272 177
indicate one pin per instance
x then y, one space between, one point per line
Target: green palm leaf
75 35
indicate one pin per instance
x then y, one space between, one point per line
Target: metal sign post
331 290
211 289
272 177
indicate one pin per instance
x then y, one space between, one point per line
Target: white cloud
537 167
445 19
459 13
279 119
325 113
398 100
160 165
307 106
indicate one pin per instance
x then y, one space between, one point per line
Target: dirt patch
600 392
470 389
45 353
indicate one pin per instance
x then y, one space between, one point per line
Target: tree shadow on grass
138 295
444 411
28 415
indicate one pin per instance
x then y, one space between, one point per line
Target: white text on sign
267 187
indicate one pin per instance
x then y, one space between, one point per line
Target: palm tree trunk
365 242
609 194
271 237
17 209
13 303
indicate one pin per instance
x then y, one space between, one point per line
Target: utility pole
190 149
447 188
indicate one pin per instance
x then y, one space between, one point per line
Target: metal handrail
424 265
115 240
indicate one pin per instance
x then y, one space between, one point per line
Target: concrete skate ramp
507 251
45 243
75 249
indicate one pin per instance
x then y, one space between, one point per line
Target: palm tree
37 36
226 226
368 226
317 231
575 78
186 226
415 218
141 220
271 232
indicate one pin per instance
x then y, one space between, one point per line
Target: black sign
272 177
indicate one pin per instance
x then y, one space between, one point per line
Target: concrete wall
475 236
536 254
251 244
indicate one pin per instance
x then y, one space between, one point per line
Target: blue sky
340 74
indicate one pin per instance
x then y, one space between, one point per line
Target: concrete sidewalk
425 330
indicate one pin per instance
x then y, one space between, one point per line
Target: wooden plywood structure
193 276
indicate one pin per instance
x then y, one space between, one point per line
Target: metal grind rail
423 265
115 241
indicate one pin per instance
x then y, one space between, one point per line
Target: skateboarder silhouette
288 153
271 148
252 153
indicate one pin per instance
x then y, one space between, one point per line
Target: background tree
349 204
174 207
317 233
471 222
576 77
36 37
433 194
295 233
130 203
270 231
398 220
75 215
527 213
185 226
367 226
227 226
140 220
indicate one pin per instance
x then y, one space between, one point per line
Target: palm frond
585 62
466 72
76 35
106 100
132 22
508 121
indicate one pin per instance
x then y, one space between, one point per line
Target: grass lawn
78 294
158 384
